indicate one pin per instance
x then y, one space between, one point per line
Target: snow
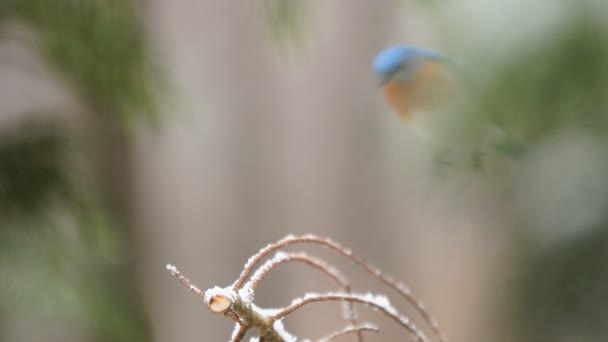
220 299
235 331
280 330
227 292
266 312
172 269
267 266
352 328
377 300
246 295
254 258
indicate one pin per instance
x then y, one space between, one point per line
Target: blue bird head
401 61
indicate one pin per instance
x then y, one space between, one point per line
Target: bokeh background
137 133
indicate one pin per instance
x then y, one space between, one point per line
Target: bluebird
413 80
418 81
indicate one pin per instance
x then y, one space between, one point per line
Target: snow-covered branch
379 302
237 300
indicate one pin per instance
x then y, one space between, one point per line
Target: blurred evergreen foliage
561 85
557 85
31 170
284 19
98 46
538 94
52 273
561 290
62 254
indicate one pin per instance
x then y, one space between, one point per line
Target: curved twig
379 302
321 265
400 288
282 257
239 332
175 272
351 329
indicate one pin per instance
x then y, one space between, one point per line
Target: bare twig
239 332
379 302
373 270
349 330
282 257
321 265
175 272
236 301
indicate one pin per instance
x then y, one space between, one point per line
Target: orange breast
396 95
427 88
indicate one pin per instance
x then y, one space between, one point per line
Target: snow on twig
238 333
321 265
237 300
351 329
379 302
282 257
400 288
175 272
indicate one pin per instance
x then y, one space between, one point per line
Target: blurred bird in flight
415 83
423 87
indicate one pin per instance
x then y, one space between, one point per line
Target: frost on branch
237 300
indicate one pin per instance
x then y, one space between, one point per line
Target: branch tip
172 269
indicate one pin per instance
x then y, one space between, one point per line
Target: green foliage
284 19
548 85
31 170
61 253
561 293
562 85
97 45
559 85
51 272
538 89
